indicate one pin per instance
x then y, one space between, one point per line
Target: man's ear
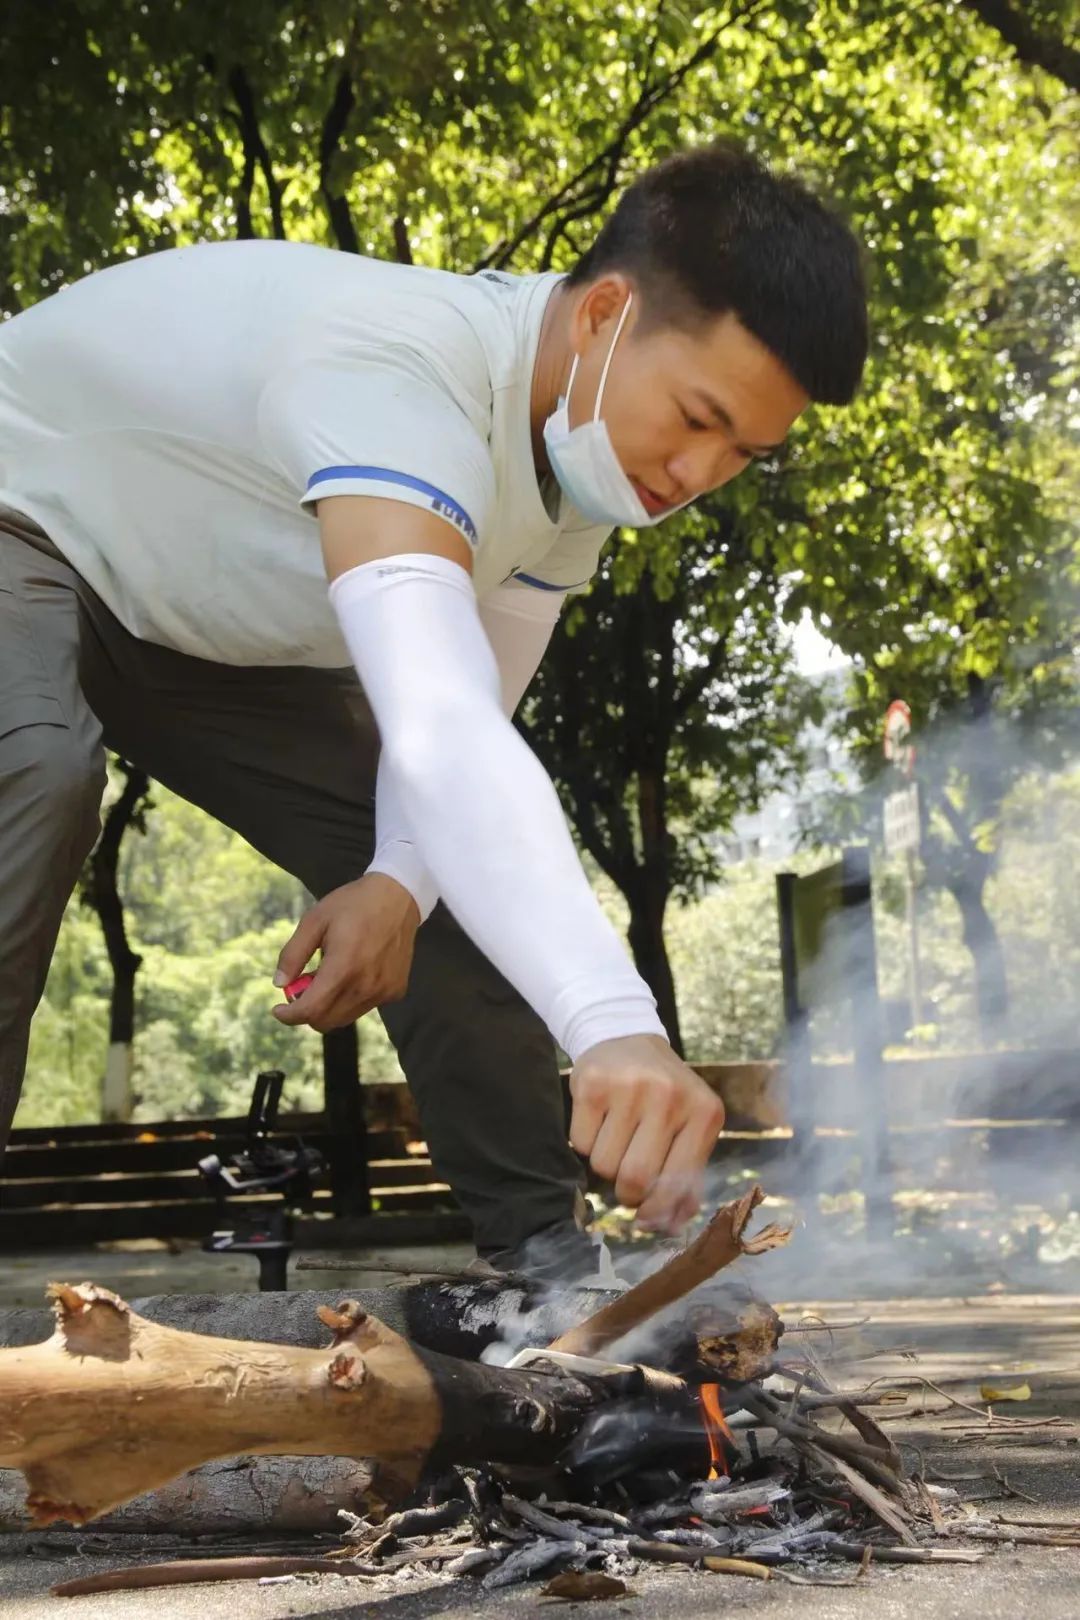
600 305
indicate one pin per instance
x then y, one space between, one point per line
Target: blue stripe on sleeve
541 584
441 503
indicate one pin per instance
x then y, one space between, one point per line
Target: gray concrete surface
960 1342
149 1266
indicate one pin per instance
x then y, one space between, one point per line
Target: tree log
721 1242
722 1336
113 1405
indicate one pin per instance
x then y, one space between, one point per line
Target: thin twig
986 1414
1011 1490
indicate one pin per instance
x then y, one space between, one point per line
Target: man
192 445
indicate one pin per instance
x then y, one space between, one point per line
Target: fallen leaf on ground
738 1566
1019 1392
585 1586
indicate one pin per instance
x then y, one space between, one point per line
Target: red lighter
296 987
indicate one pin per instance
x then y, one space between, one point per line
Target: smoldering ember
673 1423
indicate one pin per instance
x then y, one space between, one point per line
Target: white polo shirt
169 423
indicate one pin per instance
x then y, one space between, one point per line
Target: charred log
113 1405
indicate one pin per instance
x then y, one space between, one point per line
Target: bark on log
724 1336
242 1495
460 1317
113 1405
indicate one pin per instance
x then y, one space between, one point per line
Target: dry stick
184 1571
1009 1489
669 1552
855 1452
394 1268
816 1402
1034 1538
873 1498
861 1422
664 1552
181 1572
858 1551
1002 1428
722 1241
989 1417
819 1325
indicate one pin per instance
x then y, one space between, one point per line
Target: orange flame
712 1415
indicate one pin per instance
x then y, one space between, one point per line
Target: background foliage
929 530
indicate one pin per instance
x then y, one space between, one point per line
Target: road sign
902 820
898 745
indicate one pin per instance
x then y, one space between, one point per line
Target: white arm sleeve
478 802
518 621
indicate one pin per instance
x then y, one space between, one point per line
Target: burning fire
712 1415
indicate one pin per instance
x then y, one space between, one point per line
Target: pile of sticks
572 1466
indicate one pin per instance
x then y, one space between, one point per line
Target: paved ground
959 1341
148 1266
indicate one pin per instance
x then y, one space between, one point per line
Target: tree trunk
648 897
988 960
646 935
100 890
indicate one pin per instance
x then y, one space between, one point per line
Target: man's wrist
630 1015
397 859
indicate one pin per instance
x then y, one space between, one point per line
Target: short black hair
712 230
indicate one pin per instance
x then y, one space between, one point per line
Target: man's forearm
518 622
479 804
396 854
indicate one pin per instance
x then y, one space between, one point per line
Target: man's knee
52 780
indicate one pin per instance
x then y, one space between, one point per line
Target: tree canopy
929 529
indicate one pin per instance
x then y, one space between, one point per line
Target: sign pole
902 836
914 974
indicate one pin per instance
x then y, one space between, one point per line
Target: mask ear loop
570 384
611 351
607 363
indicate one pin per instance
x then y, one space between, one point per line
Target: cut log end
43 1511
72 1299
344 1323
90 1320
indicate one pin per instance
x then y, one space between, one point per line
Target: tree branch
610 156
255 152
402 245
696 686
1047 51
954 819
334 126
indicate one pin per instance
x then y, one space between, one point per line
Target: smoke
949 1164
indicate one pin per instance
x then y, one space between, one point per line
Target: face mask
584 460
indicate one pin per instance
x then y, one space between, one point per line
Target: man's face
686 411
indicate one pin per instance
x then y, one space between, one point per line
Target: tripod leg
273 1270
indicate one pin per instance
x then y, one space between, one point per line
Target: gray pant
285 756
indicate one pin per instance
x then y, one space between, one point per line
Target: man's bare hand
366 931
648 1123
